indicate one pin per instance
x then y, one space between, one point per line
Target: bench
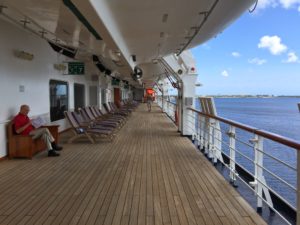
24 146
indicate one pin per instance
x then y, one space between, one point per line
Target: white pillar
189 91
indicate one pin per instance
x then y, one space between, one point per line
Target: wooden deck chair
119 107
91 123
112 112
108 120
80 131
98 119
126 105
107 117
116 110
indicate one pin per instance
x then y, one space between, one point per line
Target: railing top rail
172 102
272 136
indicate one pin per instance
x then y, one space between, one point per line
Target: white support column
189 92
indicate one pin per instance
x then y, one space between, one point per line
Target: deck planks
149 175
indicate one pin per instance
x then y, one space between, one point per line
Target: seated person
23 126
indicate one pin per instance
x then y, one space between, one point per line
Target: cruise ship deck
148 175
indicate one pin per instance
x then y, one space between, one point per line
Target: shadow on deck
148 175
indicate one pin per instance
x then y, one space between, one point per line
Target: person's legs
46 136
149 106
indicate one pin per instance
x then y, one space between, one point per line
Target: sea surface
278 115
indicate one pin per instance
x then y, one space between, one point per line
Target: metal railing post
258 172
206 136
214 141
202 127
231 134
210 139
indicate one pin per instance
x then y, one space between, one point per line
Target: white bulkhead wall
33 75
184 63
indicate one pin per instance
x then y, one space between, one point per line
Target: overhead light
60 67
23 55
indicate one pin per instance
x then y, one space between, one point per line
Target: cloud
225 73
257 61
287 4
206 46
273 44
236 54
299 9
262 4
292 58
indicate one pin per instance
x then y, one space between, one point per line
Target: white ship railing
171 110
169 107
246 147
159 101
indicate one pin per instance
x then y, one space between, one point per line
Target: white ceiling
131 27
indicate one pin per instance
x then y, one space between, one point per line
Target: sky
259 53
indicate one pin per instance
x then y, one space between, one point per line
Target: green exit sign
75 68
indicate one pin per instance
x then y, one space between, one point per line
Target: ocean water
277 115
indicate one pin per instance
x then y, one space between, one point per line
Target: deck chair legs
76 136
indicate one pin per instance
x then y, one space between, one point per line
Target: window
58 99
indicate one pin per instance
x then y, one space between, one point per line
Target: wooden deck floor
147 175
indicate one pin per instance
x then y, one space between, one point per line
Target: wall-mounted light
23 55
154 61
60 67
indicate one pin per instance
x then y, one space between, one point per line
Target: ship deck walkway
148 175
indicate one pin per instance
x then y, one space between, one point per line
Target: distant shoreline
251 96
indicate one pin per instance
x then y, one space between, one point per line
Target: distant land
251 96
